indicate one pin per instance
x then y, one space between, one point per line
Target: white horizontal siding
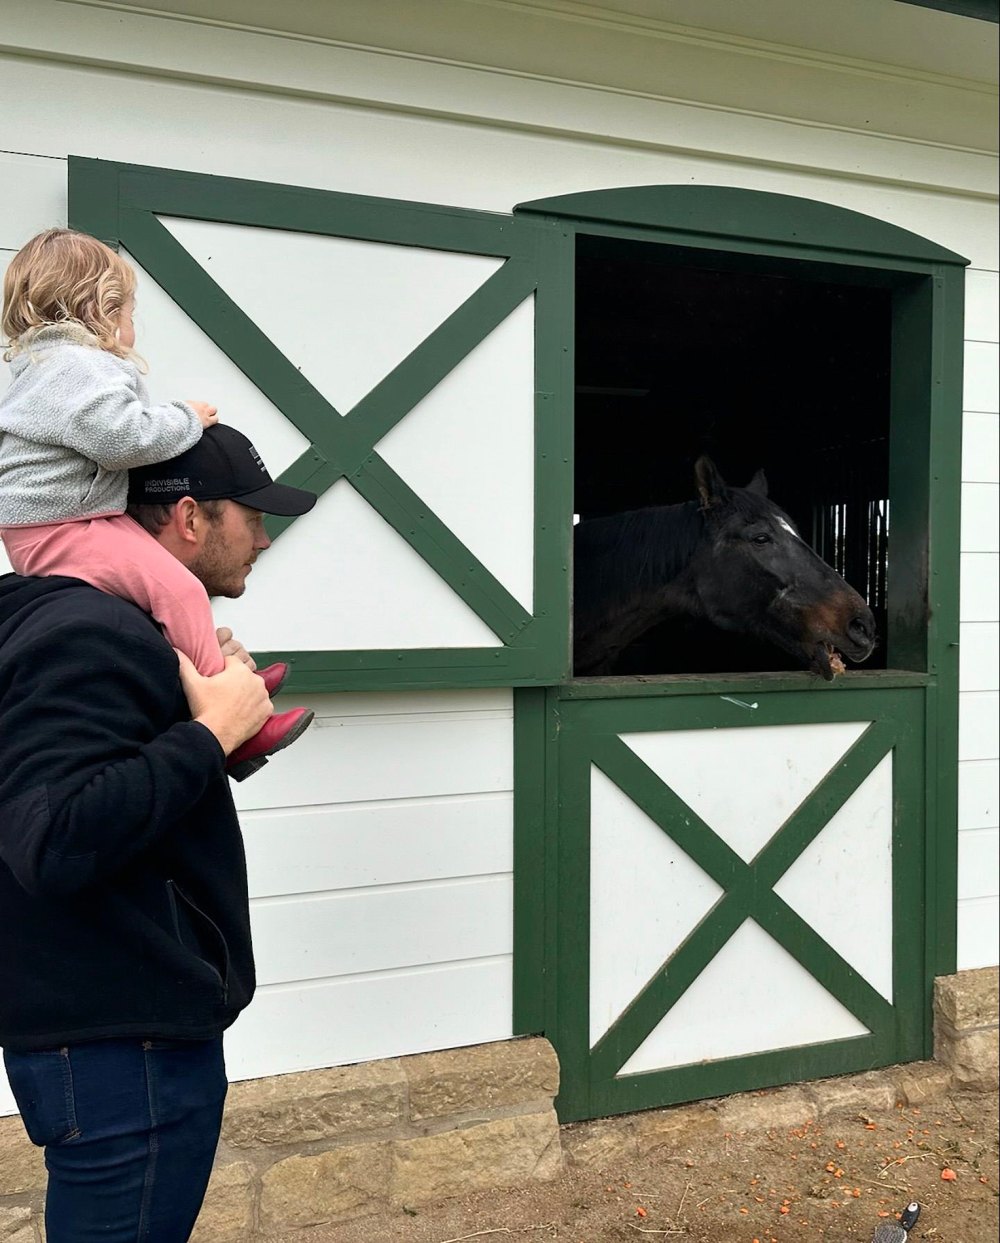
981 447
379 852
243 133
980 586
979 768
981 385
330 847
982 305
978 737
980 511
978 933
360 1018
38 202
419 754
386 929
942 122
979 661
979 794
979 865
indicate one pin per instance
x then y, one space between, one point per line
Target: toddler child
74 420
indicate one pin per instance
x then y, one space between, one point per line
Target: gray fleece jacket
73 422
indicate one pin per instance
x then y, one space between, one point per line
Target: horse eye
762 538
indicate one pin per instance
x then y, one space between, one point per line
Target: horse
732 559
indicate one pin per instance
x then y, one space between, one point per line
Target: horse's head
755 574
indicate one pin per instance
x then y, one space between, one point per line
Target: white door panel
345 312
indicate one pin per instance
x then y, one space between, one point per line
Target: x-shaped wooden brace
748 892
344 446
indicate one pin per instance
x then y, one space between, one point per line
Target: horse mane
640 548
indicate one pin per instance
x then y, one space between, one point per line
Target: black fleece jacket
123 893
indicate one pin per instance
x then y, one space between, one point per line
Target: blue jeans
129 1129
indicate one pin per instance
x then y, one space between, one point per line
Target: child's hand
207 415
231 646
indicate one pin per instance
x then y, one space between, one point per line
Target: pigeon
898 1231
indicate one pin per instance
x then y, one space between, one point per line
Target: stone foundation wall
299 1150
967 1027
607 1142
326 1145
304 1149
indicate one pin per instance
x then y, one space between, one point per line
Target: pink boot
277 732
274 677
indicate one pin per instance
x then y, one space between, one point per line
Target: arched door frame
780 234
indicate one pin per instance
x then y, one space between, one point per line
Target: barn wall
979 768
392 819
379 856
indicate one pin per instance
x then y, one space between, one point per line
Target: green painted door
725 882
739 892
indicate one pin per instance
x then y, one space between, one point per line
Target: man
124 915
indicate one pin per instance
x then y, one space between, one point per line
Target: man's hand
233 647
233 704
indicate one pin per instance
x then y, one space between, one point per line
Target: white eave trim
218 54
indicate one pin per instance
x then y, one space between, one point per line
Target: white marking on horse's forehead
787 526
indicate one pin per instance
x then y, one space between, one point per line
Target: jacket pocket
42 1084
199 934
93 486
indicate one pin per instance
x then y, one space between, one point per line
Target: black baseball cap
223 465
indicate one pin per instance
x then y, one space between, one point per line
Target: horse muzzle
849 633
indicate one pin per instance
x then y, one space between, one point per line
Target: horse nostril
861 629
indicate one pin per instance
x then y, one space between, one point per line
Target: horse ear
758 484
710 483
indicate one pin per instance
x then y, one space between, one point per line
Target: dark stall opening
681 353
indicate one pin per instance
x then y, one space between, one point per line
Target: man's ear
185 520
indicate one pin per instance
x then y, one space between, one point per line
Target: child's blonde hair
61 277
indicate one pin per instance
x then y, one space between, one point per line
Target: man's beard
215 569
